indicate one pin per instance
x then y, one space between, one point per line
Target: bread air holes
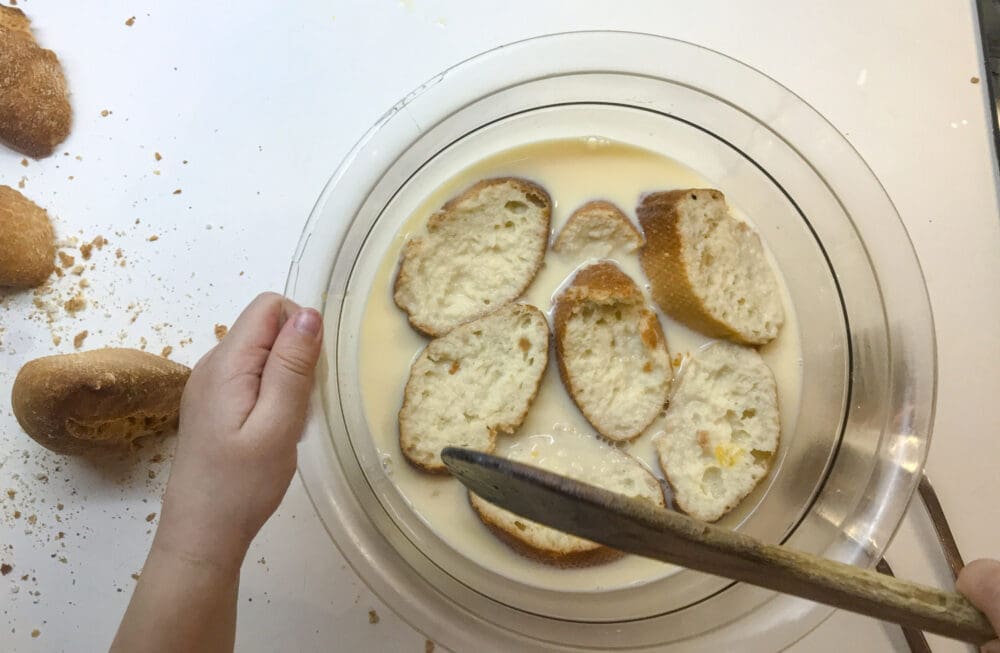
711 482
515 207
761 458
536 200
520 525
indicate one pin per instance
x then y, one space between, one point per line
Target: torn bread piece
480 252
466 387
596 230
612 353
721 430
27 241
707 269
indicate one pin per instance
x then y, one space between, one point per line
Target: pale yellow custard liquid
573 172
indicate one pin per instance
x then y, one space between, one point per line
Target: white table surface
262 100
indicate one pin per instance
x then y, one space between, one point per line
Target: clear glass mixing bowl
846 471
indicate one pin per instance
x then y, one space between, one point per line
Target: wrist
213 545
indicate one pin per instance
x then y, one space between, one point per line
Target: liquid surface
573 172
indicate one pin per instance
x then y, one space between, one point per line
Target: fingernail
307 322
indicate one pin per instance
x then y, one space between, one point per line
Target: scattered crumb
79 338
32 519
372 617
167 351
241 273
118 252
220 331
974 80
86 250
157 156
105 113
428 646
35 633
59 506
677 360
11 494
77 270
156 172
177 192
17 514
20 182
143 343
130 22
153 238
76 304
151 516
84 283
65 259
99 242
24 162
6 569
135 576
56 340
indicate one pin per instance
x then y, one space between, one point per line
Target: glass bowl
846 469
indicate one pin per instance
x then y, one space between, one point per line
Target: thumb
287 379
979 581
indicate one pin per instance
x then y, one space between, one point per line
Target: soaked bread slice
481 251
596 230
75 403
473 383
612 353
721 430
581 457
707 269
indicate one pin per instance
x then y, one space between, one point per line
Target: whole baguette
75 403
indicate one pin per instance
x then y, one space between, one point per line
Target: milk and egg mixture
573 172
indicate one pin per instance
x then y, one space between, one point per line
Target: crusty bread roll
473 383
596 230
481 251
27 243
580 457
707 269
35 113
721 430
612 353
75 403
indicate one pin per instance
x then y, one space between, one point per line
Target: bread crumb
677 360
974 80
77 270
59 506
56 340
65 259
99 242
11 494
143 343
151 516
135 576
84 283
79 338
6 569
372 617
177 192
86 250
153 238
105 113
17 514
24 162
32 519
118 252
428 646
76 304
157 156
220 331
130 22
20 182
167 351
156 172
35 633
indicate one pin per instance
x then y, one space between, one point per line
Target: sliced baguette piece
596 230
75 403
584 458
481 251
473 383
721 430
612 353
707 269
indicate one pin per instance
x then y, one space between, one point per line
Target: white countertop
263 99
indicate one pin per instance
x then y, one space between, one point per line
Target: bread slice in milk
480 252
612 353
584 458
597 230
721 429
466 387
707 269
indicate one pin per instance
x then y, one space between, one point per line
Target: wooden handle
637 526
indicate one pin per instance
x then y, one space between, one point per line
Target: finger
287 379
979 581
991 647
257 326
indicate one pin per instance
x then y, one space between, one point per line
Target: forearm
180 604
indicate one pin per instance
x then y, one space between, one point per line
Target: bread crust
35 113
608 211
592 555
508 428
601 283
410 249
104 398
27 242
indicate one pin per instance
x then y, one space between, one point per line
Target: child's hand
979 581
242 413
